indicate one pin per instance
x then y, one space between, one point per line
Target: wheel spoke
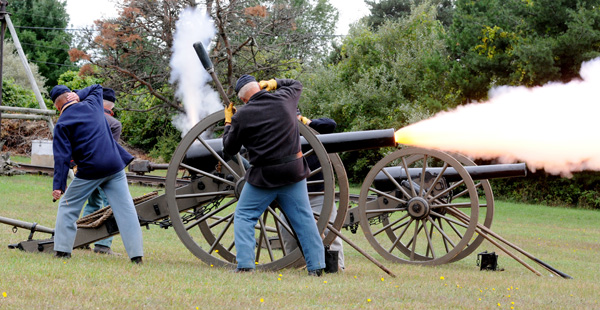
408 177
444 235
444 239
387 195
390 225
457 204
240 162
422 184
211 213
414 240
437 179
221 220
221 234
429 243
400 236
398 186
450 188
206 174
219 158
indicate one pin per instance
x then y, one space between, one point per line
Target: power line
51 47
50 28
52 63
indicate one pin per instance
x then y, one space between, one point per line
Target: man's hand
229 111
268 85
304 120
56 194
72 97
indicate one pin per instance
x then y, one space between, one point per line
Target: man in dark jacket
82 134
267 127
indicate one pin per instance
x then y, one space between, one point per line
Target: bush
582 190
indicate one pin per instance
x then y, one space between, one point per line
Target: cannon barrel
199 157
382 182
26 225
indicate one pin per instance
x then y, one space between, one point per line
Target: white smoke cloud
187 73
554 127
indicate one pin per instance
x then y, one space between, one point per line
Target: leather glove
229 111
304 120
268 85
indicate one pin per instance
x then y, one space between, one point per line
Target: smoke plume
555 127
187 73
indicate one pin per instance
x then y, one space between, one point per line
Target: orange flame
555 127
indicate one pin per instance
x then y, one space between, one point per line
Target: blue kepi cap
108 94
242 81
57 91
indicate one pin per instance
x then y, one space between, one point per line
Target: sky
84 12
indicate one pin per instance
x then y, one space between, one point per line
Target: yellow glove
304 120
229 111
268 85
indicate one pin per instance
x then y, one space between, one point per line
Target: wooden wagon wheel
403 207
202 212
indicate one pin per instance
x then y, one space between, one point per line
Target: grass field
172 278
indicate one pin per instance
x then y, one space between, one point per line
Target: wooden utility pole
5 19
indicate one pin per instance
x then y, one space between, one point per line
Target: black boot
137 260
60 254
315 273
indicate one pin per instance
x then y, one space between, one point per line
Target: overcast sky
84 12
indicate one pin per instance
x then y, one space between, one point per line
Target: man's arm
61 148
231 140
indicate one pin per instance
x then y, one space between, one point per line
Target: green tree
13 69
43 46
386 78
520 42
395 9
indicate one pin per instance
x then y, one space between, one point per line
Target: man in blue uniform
83 134
267 127
98 198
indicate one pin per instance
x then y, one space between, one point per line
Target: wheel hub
239 185
418 208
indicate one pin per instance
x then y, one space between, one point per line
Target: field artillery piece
416 206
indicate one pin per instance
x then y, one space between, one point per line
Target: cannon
416 206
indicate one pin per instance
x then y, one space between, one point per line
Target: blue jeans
117 191
293 199
96 202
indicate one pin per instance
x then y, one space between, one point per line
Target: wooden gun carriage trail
416 206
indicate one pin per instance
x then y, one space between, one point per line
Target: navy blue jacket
83 134
268 128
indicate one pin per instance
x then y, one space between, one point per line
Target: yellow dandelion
508 288
325 282
511 287
355 277
442 278
4 294
216 251
262 300
486 288
278 279
211 265
480 291
369 300
479 299
512 307
512 302
382 279
255 263
493 289
508 296
280 275
197 308
516 288
397 286
499 305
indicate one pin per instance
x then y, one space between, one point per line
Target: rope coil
97 218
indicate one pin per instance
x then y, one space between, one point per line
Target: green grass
172 278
